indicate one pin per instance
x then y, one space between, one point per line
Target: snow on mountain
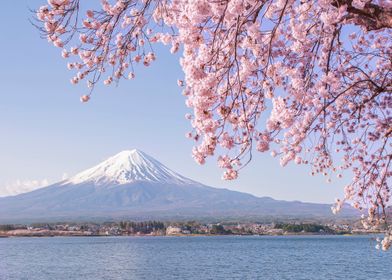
127 167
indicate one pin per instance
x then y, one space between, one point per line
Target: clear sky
46 132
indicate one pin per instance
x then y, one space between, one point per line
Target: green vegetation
219 229
141 227
11 227
311 228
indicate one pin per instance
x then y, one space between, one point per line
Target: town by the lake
183 228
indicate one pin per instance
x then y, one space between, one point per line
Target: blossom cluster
110 41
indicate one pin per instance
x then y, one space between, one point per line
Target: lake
202 257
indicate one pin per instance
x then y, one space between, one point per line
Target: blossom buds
84 98
90 14
131 75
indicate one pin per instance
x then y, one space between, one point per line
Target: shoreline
40 235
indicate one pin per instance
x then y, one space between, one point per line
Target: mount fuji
134 185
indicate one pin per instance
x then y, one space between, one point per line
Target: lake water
220 257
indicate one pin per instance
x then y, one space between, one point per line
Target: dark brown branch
371 16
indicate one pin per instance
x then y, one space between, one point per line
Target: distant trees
43 225
313 228
141 227
10 227
219 229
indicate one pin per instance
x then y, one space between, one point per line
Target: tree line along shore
158 228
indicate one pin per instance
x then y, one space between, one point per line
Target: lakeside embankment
192 228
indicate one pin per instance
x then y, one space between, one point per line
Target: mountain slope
132 184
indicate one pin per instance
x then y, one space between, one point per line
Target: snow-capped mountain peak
133 185
126 167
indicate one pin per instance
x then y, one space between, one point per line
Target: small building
172 230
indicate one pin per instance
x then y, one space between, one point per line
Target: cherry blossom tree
308 81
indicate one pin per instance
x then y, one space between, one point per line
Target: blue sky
45 131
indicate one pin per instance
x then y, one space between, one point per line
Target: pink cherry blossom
84 98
